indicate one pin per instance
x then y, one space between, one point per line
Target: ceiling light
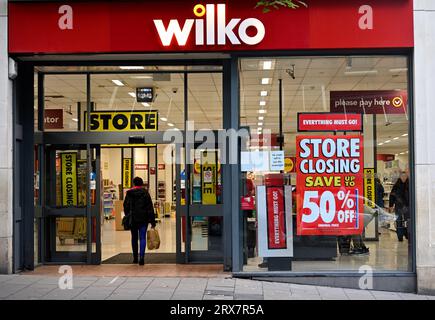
361 73
170 124
380 144
402 153
260 124
133 94
163 119
404 135
267 65
388 141
118 83
396 154
75 120
265 81
142 77
407 152
261 118
132 68
262 111
263 93
398 70
396 138
262 103
146 104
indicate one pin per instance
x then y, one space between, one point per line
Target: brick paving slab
45 287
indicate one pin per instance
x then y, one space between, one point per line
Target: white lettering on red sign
66 20
206 28
276 218
366 20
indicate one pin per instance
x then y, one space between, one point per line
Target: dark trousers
139 233
401 227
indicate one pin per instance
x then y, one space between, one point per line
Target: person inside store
379 193
139 205
399 203
251 227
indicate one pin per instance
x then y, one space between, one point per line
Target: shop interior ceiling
307 91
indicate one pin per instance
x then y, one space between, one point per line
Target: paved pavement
25 287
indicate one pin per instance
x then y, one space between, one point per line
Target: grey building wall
424 101
5 148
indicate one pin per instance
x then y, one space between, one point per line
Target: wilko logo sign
194 26
210 20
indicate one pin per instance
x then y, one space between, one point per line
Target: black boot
142 261
135 258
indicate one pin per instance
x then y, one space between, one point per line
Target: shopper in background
379 193
138 203
399 202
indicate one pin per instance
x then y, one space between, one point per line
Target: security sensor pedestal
275 223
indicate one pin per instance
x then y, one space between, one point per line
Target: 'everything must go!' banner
330 185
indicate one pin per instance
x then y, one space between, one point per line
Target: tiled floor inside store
386 254
114 242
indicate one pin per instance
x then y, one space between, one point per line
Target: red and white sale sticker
276 228
329 185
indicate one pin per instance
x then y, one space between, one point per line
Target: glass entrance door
201 204
70 204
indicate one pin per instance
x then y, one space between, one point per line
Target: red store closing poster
330 185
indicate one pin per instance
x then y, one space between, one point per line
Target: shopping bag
153 239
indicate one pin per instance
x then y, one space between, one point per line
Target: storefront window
205 101
64 101
156 97
350 212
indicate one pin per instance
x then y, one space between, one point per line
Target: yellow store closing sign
126 173
124 121
69 179
208 177
369 187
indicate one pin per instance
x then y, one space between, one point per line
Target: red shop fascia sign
218 26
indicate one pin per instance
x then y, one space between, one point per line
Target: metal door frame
190 210
89 139
49 255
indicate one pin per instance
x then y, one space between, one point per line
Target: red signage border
130 26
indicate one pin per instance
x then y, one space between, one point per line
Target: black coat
379 197
138 203
399 196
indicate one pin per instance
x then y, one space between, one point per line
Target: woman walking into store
139 205
399 202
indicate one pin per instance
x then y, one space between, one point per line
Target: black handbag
126 222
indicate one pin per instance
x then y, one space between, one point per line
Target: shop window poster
330 185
